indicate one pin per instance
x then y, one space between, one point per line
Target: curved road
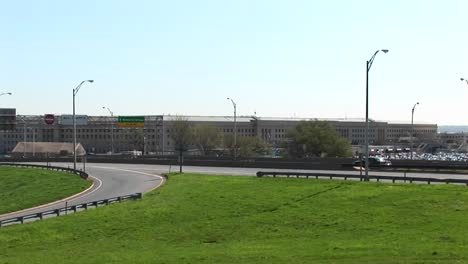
112 180
109 182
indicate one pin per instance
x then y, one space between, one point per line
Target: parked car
374 161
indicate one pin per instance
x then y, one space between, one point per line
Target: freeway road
111 180
160 169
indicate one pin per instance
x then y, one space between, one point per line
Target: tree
317 139
137 139
246 146
206 138
181 134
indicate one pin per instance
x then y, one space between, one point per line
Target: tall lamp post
235 127
412 129
75 91
368 67
112 128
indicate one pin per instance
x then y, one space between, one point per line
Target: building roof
239 119
39 119
48 147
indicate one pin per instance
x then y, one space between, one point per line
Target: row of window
108 136
403 130
239 130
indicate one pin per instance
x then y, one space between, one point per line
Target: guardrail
65 210
82 174
330 176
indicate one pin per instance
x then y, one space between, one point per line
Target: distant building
454 141
49 149
154 136
453 138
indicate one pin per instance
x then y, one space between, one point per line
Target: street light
463 79
412 129
235 127
75 91
368 67
112 128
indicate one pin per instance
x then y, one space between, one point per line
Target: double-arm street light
112 128
75 91
235 127
463 79
412 129
368 67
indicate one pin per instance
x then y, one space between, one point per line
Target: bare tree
181 134
246 146
137 140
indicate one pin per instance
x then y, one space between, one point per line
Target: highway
112 180
160 169
109 181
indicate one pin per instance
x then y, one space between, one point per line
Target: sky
276 58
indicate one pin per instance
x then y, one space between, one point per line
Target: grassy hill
22 188
220 219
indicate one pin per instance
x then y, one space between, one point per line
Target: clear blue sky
277 58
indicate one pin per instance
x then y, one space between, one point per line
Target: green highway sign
137 119
131 121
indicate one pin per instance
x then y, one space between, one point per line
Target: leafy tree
246 146
206 138
317 139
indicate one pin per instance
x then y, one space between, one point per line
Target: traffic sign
131 121
67 120
49 119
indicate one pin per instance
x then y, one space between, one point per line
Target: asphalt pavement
109 181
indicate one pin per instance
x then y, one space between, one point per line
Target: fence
330 176
65 210
82 174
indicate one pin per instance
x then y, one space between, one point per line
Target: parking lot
462 157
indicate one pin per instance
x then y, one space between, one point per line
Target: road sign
67 120
131 121
49 119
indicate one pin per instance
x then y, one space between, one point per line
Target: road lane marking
162 179
97 188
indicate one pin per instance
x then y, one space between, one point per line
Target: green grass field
219 219
22 188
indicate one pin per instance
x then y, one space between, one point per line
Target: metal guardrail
330 176
65 210
82 174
